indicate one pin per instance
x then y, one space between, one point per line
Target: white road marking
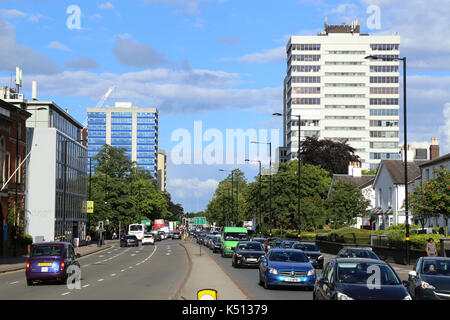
86 285
130 267
101 256
167 254
14 282
63 294
113 275
133 255
122 270
100 280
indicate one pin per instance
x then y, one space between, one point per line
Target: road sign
146 222
90 206
200 220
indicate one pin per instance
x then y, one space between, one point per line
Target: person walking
431 248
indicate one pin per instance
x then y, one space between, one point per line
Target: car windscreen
363 254
366 273
305 247
255 246
47 251
436 267
136 228
235 236
131 237
260 240
288 256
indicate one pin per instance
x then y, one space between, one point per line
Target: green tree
345 203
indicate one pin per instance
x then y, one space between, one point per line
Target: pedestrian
431 248
114 235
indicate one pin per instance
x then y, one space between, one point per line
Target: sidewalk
18 263
205 273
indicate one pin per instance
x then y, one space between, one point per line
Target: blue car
286 267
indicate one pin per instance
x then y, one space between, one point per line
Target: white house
389 188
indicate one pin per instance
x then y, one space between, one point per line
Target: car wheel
233 264
29 282
260 280
266 285
314 295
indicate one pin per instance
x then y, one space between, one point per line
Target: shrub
24 240
416 241
347 235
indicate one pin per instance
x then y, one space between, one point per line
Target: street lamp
232 195
260 197
298 170
270 184
405 143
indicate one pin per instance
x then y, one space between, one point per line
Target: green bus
230 237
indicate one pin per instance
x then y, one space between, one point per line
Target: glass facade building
123 126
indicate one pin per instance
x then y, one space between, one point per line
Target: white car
148 239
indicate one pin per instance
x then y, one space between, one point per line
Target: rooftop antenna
18 79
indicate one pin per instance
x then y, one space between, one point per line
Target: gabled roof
359 182
396 170
434 161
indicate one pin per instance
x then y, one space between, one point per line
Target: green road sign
146 222
199 220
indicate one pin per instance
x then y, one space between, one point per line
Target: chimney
350 168
357 170
434 148
34 90
410 153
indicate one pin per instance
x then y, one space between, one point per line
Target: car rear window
47 251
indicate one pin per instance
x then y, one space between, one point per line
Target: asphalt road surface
134 273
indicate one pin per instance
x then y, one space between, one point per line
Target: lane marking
113 275
122 270
63 294
100 280
14 282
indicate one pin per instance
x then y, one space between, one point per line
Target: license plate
293 280
44 269
44 264
252 259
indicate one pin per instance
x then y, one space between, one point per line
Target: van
230 237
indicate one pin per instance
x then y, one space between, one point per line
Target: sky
210 66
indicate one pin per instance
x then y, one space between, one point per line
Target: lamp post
270 183
405 143
260 197
232 194
298 171
90 185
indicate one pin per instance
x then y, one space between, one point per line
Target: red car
50 261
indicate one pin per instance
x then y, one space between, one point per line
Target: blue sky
217 61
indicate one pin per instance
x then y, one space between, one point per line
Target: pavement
206 273
18 263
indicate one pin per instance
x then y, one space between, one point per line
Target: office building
341 95
124 126
162 170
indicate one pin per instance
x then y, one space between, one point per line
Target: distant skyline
221 62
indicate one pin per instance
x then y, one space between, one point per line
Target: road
147 272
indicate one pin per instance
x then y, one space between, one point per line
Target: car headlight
320 257
426 285
341 296
310 273
408 297
238 255
273 271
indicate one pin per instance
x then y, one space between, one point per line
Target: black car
247 253
357 253
359 279
176 235
430 279
312 251
201 237
217 244
129 241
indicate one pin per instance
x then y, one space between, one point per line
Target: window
305 57
384 112
311 90
305 101
328 106
344 74
383 79
383 145
383 123
344 84
383 68
297 79
383 90
383 101
306 47
305 68
383 156
345 95
384 47
345 52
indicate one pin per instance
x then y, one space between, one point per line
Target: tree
333 156
345 203
418 205
313 212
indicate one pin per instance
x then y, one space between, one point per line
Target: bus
136 229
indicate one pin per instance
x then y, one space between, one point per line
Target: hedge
416 241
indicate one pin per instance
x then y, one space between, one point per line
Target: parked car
50 261
312 251
357 253
286 267
129 241
430 279
176 235
287 244
148 239
217 244
247 254
352 279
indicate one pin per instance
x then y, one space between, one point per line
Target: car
148 239
357 253
312 251
201 238
287 244
359 279
272 243
156 235
286 267
217 244
430 279
129 241
230 238
162 234
51 261
247 254
176 235
207 239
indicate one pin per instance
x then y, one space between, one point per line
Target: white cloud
186 188
445 130
130 53
13 54
58 46
36 17
265 56
82 63
12 14
106 6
